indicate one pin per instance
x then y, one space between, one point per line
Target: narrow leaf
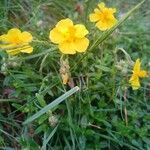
48 138
52 105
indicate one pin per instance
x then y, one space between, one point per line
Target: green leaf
28 143
104 68
8 100
41 128
52 105
40 99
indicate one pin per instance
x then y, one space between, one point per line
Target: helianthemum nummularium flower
69 37
104 17
15 42
137 73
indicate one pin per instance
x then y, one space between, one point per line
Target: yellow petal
7 46
55 36
14 36
112 10
94 17
102 25
26 49
110 23
3 38
113 21
14 31
101 5
137 66
64 24
143 73
133 77
26 37
13 51
134 81
81 45
67 48
97 11
106 24
81 31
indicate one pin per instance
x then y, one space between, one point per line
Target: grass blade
114 140
52 104
8 100
48 138
35 55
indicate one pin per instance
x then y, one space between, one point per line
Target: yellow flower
70 38
16 42
104 17
137 73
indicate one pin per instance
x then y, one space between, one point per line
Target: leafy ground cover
104 112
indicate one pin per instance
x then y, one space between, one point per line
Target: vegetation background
106 113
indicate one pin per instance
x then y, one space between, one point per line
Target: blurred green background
92 119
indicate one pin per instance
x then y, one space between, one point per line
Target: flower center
70 34
105 15
15 40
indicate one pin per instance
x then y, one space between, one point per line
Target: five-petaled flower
69 37
104 17
137 73
16 42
